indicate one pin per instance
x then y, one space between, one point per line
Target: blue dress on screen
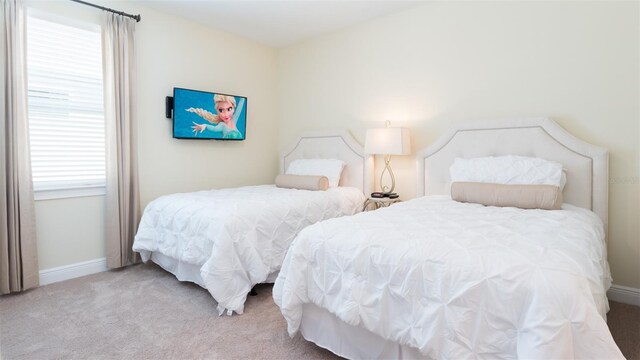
224 129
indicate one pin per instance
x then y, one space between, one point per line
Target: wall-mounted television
206 115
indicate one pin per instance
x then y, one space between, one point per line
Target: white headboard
586 165
337 144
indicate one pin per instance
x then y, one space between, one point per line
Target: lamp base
387 168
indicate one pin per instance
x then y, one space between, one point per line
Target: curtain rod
136 17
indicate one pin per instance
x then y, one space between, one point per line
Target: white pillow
331 168
508 169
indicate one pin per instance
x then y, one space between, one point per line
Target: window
66 111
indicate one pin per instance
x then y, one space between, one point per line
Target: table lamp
387 141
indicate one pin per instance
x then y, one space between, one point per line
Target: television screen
206 115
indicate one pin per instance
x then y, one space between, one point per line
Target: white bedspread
458 280
238 236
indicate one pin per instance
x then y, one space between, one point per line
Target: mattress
455 280
235 237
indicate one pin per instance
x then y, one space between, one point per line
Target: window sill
68 193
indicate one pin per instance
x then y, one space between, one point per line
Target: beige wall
444 62
70 231
172 52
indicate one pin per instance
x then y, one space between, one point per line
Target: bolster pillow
302 182
547 197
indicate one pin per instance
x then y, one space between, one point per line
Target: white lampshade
388 141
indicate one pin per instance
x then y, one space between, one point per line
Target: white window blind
66 112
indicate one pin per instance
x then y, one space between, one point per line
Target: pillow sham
331 168
509 169
302 182
546 197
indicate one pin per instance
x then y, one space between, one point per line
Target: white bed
434 278
228 240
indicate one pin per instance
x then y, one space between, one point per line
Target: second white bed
228 240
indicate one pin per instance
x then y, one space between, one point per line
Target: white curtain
123 203
18 251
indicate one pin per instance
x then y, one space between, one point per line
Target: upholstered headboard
586 165
338 144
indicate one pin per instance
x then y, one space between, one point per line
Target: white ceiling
278 23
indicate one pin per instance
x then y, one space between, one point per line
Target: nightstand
377 203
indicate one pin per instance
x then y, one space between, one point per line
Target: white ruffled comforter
459 280
238 236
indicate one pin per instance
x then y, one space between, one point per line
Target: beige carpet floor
143 312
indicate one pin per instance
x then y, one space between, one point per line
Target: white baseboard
62 273
618 293
624 294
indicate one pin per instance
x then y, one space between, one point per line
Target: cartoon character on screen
225 119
